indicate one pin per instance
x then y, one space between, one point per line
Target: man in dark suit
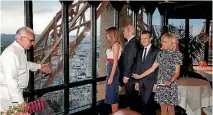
145 59
126 61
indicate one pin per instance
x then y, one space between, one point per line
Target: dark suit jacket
128 57
146 83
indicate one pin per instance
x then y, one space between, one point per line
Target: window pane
196 44
210 45
80 97
47 26
54 103
9 24
140 24
145 18
156 28
98 47
80 48
177 26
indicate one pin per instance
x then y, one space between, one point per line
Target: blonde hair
113 33
131 29
171 40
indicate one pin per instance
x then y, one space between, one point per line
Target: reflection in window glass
54 103
80 96
9 24
46 28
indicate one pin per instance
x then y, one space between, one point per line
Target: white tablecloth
199 68
207 110
204 71
193 94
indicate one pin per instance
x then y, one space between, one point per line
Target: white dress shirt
14 75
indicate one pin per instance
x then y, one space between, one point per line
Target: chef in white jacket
14 69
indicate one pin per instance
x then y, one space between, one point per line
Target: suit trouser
133 97
150 107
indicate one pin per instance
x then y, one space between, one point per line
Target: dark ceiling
175 9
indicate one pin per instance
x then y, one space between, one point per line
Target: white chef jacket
14 75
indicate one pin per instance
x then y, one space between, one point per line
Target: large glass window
47 49
145 18
54 103
210 44
99 38
9 24
156 30
80 47
80 97
140 22
177 26
197 40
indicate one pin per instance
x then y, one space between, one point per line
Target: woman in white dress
112 81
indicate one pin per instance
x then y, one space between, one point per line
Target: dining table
204 71
194 94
